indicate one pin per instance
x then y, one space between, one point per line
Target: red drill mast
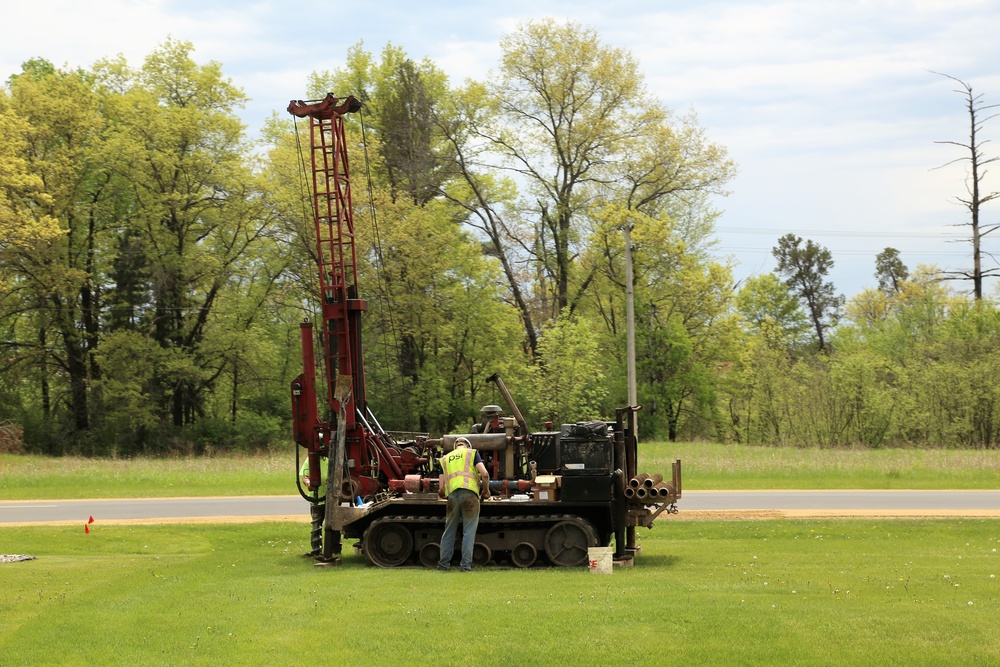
369 451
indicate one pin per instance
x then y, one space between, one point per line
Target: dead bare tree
973 183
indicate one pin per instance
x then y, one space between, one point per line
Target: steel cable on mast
381 286
303 174
305 186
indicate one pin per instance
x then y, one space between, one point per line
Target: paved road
846 502
694 504
155 510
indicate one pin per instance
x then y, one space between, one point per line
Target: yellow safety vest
460 470
304 474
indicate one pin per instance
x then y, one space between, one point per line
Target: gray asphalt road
695 503
163 510
902 503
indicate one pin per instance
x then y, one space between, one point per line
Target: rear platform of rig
556 493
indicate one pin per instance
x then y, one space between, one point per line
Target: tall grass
723 467
815 592
32 477
706 466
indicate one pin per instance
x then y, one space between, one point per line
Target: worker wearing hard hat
317 509
463 479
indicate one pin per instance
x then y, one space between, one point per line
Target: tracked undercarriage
517 531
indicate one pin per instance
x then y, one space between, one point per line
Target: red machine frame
405 516
370 451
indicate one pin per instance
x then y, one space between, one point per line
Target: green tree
179 145
22 194
570 118
438 326
759 393
57 284
769 306
401 98
890 271
490 203
130 361
684 331
870 305
566 100
411 146
805 268
569 383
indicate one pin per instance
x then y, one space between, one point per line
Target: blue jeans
463 506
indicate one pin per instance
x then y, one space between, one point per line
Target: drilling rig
557 492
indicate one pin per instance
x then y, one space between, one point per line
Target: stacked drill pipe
649 489
639 480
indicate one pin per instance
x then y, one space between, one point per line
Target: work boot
323 561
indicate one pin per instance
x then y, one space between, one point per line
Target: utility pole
630 322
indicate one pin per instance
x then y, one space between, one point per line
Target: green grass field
804 592
789 592
725 467
34 477
706 466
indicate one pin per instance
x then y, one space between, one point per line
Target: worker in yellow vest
464 479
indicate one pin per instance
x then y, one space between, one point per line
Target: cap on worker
462 442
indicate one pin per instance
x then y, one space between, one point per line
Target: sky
830 108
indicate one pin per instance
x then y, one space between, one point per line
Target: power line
838 232
859 253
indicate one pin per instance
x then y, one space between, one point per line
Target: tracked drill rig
557 492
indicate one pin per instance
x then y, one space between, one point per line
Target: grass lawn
733 467
706 466
34 477
804 592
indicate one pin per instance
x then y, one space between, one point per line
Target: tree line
155 263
